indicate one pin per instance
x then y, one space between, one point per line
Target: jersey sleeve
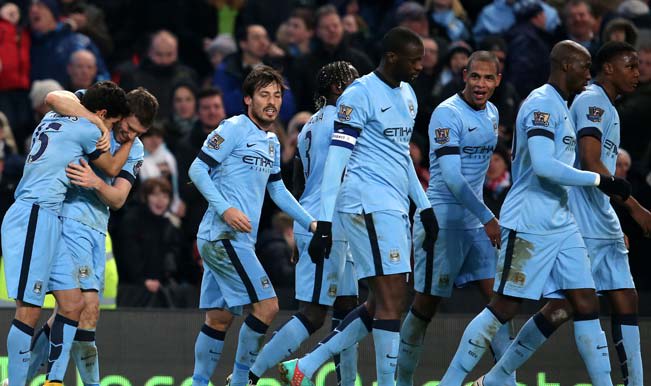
220 143
132 167
353 112
444 132
540 119
88 138
588 114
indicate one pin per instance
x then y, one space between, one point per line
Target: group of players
352 221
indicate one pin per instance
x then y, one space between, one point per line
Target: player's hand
643 218
103 144
237 220
615 186
152 285
626 243
83 175
313 226
321 242
492 229
431 227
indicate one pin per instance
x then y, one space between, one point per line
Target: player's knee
219 320
266 310
71 307
345 303
90 314
27 314
425 305
585 305
314 314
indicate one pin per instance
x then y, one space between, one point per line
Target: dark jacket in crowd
527 62
635 114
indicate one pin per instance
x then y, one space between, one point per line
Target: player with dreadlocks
330 282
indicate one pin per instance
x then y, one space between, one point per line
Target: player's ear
101 113
498 80
336 89
465 75
247 100
608 68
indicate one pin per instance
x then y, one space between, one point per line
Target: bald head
82 69
567 51
163 49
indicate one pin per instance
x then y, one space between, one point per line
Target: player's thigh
435 275
380 242
571 268
524 263
238 273
30 239
319 283
480 260
86 247
609 264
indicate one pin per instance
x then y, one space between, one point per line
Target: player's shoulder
273 137
137 149
544 99
449 108
591 95
358 88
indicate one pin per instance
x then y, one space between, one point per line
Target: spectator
451 78
301 32
11 166
150 262
330 47
417 152
211 113
89 20
413 16
623 164
54 42
505 97
160 71
288 145
82 70
219 48
254 44
581 23
527 61
498 179
14 70
40 89
184 114
449 22
620 30
634 111
498 17
275 249
160 162
424 85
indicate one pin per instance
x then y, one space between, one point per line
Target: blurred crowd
193 55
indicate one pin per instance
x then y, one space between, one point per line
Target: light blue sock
62 335
18 341
355 327
40 349
474 343
500 343
592 345
412 334
386 339
84 354
346 360
283 343
626 334
532 336
248 346
207 351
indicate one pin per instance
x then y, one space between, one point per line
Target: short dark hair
306 15
106 95
242 32
483 56
325 10
397 38
493 43
209 92
143 105
150 185
338 73
261 76
610 51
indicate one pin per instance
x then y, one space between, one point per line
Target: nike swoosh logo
520 344
408 344
474 344
253 353
385 109
250 144
601 347
616 123
471 129
88 357
214 352
23 352
390 357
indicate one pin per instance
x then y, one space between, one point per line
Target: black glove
321 242
431 227
615 186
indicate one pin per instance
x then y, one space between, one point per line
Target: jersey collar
560 92
385 80
604 91
460 94
255 124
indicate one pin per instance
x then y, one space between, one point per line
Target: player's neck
260 125
608 87
465 95
560 87
386 77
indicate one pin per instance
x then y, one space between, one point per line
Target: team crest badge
215 142
444 281
38 287
540 118
412 109
136 168
442 135
272 149
595 113
518 278
265 282
84 272
332 290
344 113
496 129
394 255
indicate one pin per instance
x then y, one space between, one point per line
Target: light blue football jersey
457 128
536 205
57 141
594 114
83 205
313 143
242 159
377 172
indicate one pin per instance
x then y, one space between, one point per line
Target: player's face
128 129
409 63
265 104
626 72
578 74
481 81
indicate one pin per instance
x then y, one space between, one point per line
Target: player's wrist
597 179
